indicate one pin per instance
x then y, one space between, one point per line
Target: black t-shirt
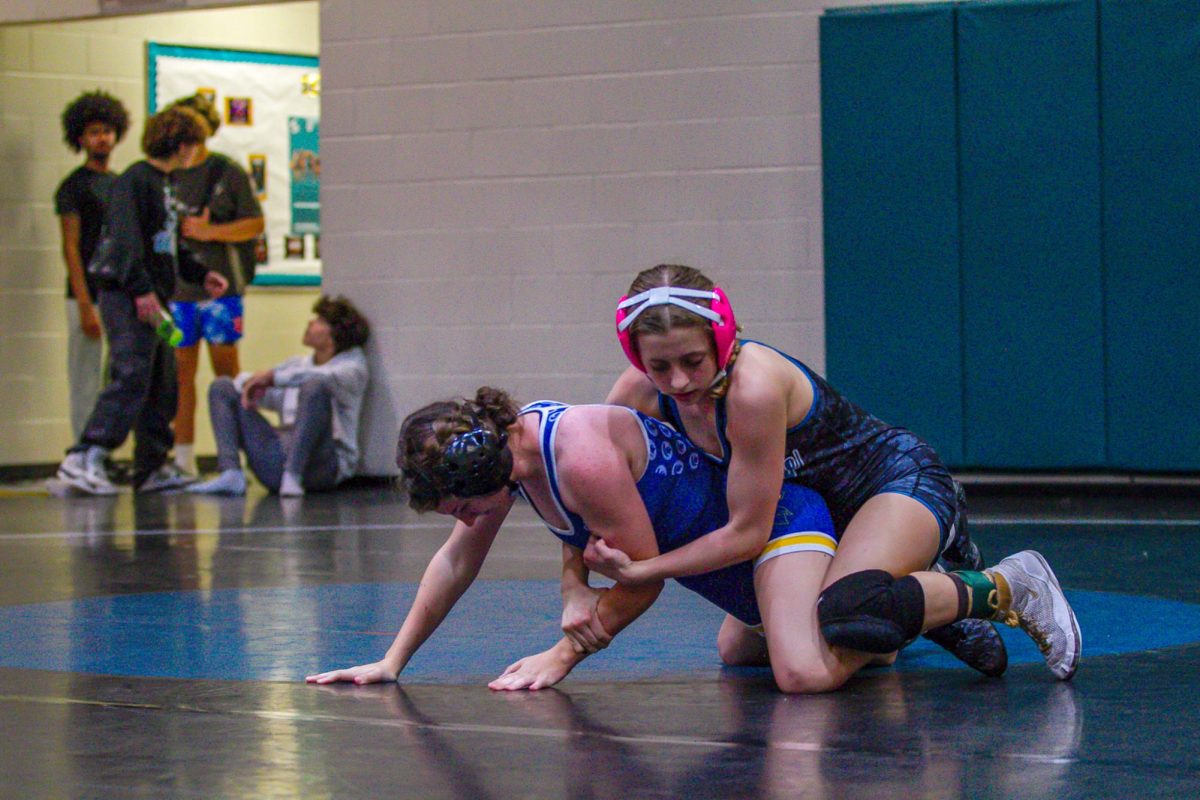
85 193
223 187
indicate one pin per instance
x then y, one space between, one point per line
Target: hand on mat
378 672
534 672
580 622
610 562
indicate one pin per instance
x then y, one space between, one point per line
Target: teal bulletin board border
276 279
155 49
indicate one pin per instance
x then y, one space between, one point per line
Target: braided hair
456 448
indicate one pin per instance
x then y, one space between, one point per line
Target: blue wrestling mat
283 634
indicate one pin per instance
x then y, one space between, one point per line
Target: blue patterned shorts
217 321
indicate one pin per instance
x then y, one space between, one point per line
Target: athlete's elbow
747 545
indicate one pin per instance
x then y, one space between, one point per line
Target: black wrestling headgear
474 463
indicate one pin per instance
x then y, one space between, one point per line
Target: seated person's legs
312 460
235 429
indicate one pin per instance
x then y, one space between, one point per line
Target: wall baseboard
17 473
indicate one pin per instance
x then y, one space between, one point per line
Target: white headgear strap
664 295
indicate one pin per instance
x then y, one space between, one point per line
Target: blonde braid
721 387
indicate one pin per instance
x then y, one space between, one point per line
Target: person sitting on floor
319 401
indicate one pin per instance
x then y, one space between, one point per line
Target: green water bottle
166 330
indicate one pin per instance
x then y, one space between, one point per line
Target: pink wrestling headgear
724 327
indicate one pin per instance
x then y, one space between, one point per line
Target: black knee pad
871 611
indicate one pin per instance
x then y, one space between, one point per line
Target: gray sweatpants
307 449
85 366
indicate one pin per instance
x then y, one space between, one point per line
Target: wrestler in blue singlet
849 455
684 493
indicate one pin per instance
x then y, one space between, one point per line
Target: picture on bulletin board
306 174
239 111
258 175
270 104
293 247
260 249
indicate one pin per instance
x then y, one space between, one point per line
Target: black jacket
142 224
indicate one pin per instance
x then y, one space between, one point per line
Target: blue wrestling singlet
849 455
684 493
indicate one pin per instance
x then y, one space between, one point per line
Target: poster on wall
270 124
306 174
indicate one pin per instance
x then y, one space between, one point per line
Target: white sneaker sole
218 491
80 482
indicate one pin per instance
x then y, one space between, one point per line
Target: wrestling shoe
975 642
164 479
84 470
1029 596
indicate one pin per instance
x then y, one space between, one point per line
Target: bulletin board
270 124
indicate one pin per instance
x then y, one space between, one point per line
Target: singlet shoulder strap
550 413
819 398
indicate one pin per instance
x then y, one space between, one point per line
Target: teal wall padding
1151 111
891 217
1031 267
1013 243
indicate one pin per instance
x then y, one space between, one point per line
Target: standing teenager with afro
93 124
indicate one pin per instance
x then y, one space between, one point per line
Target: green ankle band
981 593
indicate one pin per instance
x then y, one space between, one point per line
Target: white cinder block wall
496 172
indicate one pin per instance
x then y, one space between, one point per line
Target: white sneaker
231 483
1037 604
84 470
164 479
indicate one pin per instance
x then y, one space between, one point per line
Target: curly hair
202 106
661 319
426 432
171 129
348 326
89 107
